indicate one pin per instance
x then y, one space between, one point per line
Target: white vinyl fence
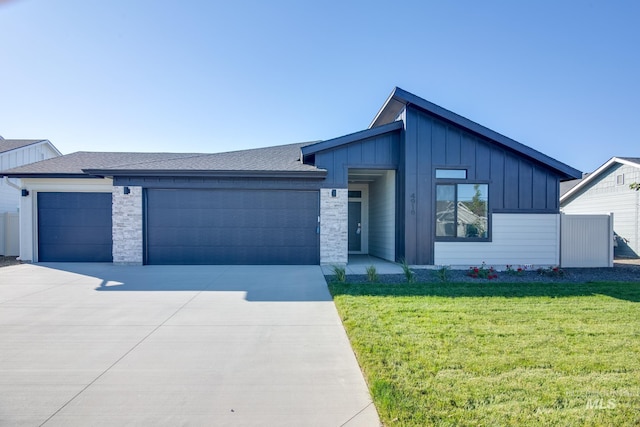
586 240
9 234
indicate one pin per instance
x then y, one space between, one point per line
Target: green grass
479 354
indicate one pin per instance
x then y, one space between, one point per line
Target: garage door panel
70 253
72 235
74 227
232 227
83 217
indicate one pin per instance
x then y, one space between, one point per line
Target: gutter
309 174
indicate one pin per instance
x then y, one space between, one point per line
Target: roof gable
7 145
602 170
353 137
400 99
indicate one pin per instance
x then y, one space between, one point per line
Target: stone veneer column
127 226
334 226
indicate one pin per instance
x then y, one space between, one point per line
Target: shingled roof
278 159
13 144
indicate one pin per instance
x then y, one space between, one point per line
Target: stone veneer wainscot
127 226
334 227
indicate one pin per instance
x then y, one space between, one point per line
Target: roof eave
314 174
347 139
386 107
594 175
48 175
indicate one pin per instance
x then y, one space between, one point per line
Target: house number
413 203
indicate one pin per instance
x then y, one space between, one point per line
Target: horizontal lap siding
517 239
382 217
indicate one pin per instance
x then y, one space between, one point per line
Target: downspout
11 184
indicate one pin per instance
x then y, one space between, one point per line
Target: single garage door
74 227
189 226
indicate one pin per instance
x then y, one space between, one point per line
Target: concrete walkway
358 265
98 344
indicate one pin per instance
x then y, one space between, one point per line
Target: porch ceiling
365 175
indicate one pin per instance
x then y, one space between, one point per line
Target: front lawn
497 354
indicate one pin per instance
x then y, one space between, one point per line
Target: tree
635 186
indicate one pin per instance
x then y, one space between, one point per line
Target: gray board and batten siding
516 184
415 146
370 149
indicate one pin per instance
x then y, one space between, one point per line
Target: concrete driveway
98 344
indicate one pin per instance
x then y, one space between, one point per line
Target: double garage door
231 227
187 226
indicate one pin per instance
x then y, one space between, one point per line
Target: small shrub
554 271
340 273
482 272
442 273
372 274
515 271
408 273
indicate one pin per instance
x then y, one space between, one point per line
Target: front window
462 211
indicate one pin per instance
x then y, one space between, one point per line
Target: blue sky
208 76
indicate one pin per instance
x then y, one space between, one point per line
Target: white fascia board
595 174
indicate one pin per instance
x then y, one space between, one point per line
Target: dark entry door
189 226
355 226
74 227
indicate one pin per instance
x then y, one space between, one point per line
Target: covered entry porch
372 213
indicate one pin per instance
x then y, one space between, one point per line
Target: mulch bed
8 260
619 273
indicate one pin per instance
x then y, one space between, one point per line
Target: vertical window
462 211
619 179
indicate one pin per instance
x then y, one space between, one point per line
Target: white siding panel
9 234
586 241
605 196
9 196
382 217
518 239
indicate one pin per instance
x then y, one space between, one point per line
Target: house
13 153
420 184
606 190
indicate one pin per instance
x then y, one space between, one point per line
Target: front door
355 226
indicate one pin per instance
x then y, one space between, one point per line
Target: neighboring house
421 184
13 153
606 190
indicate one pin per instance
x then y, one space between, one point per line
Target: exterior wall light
127 190
333 193
24 192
